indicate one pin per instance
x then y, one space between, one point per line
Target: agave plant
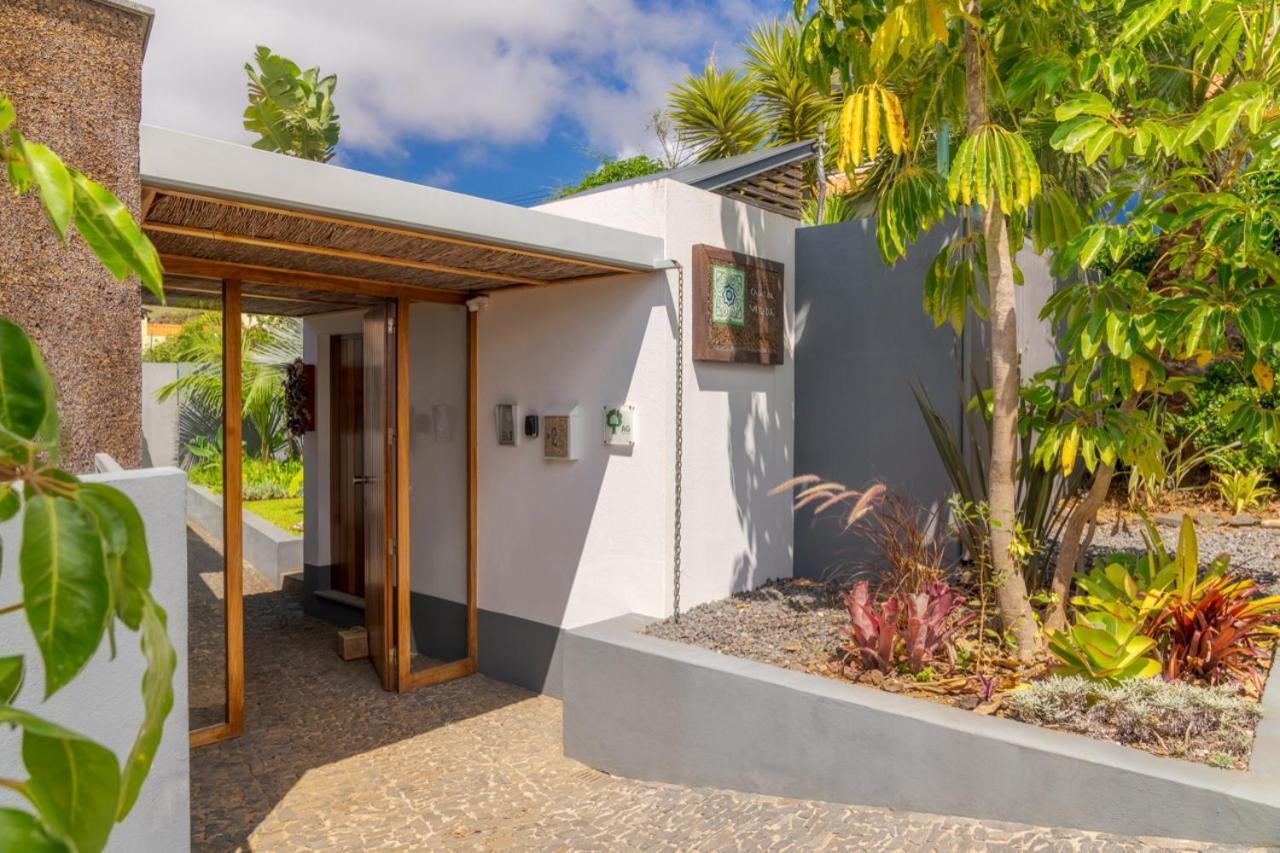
1103 648
1133 587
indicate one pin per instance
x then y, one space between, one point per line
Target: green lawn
282 512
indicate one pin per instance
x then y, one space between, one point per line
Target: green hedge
1202 418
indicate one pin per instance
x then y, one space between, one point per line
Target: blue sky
505 99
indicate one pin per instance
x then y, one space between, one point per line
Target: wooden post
232 513
404 659
472 444
232 530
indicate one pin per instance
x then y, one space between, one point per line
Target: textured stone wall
73 69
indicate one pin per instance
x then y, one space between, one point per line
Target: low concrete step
291 583
339 597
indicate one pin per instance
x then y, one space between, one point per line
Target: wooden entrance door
346 473
378 481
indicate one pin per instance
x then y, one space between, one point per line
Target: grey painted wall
655 710
105 700
862 338
160 420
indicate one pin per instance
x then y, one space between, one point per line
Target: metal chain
675 556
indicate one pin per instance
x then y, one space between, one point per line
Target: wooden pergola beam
183 288
330 252
201 268
390 229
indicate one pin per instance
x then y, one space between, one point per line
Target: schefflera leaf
66 593
21 831
73 785
124 539
157 702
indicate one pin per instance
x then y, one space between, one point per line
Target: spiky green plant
1242 490
716 113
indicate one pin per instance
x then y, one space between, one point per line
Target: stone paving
329 761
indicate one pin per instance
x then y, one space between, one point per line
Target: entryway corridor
331 761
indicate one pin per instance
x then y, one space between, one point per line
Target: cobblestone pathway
331 762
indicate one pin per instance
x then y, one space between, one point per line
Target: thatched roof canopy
303 236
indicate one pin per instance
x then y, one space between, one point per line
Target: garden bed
801 625
647 708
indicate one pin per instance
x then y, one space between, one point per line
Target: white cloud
492 71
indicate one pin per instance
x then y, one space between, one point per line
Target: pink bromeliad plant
879 638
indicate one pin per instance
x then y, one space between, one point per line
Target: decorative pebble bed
801 624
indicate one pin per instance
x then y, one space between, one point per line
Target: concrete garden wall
272 551
160 430
105 700
652 709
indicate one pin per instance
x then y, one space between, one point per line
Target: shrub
1206 416
1211 629
1208 628
1242 490
260 481
1206 724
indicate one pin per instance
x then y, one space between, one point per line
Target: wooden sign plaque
738 307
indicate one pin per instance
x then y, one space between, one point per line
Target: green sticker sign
728 295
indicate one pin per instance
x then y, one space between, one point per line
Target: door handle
360 481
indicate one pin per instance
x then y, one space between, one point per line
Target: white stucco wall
105 700
569 543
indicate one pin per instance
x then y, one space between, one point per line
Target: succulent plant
934 616
878 638
873 628
1103 648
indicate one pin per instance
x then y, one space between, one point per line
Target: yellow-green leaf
52 180
114 236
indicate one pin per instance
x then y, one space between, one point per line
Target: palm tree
793 107
769 101
268 345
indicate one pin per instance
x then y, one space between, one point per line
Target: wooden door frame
232 525
391 334
232 516
407 679
338 494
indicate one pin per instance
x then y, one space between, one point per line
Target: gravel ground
801 624
1254 551
793 624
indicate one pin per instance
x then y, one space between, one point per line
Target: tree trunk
1011 588
1069 544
